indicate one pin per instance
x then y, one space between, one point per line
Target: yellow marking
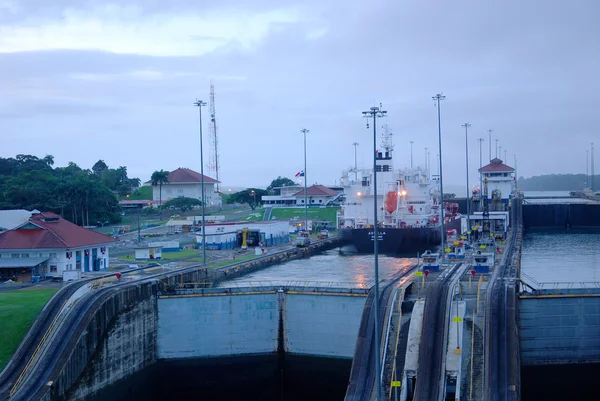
396 383
457 319
418 274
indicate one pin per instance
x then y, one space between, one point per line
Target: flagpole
304 131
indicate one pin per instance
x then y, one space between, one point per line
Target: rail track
432 348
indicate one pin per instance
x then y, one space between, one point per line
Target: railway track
38 358
361 386
432 348
501 331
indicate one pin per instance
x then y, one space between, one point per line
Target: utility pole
411 159
355 144
305 131
490 141
505 151
516 175
480 166
496 147
592 168
466 126
587 173
426 161
376 112
200 104
437 100
138 230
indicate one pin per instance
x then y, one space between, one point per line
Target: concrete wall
217 325
559 330
119 339
323 325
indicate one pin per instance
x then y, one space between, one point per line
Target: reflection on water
334 268
252 378
561 257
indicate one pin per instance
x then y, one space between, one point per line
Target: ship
409 207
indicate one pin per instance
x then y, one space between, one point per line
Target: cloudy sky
87 79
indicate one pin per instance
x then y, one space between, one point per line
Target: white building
228 235
187 183
48 245
318 195
500 184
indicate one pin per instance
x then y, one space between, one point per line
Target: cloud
126 30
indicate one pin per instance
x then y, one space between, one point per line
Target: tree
280 182
159 178
251 196
99 167
183 204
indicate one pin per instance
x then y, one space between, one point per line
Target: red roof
49 230
317 190
496 166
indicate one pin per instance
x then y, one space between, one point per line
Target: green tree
183 204
280 182
251 196
159 178
99 167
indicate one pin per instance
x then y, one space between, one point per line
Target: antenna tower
214 139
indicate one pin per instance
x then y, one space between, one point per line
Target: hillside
556 182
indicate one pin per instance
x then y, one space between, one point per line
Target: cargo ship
408 207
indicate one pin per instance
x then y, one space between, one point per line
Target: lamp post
411 159
467 125
490 141
355 144
426 163
375 112
496 146
438 99
305 131
480 175
199 104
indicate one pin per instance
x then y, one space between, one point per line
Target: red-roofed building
48 245
187 183
318 195
500 183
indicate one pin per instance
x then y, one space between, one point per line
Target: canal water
561 257
335 268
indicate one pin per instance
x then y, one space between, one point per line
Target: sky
84 80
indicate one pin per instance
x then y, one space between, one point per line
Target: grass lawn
314 213
166 256
256 215
142 193
18 310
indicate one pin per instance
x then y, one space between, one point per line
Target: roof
317 190
496 166
20 262
10 219
186 175
49 230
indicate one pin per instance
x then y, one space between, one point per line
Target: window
53 269
169 191
15 255
180 191
24 255
53 255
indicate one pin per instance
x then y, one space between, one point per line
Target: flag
299 174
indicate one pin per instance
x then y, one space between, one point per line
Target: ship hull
397 240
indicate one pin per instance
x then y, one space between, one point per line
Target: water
334 268
251 378
561 257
